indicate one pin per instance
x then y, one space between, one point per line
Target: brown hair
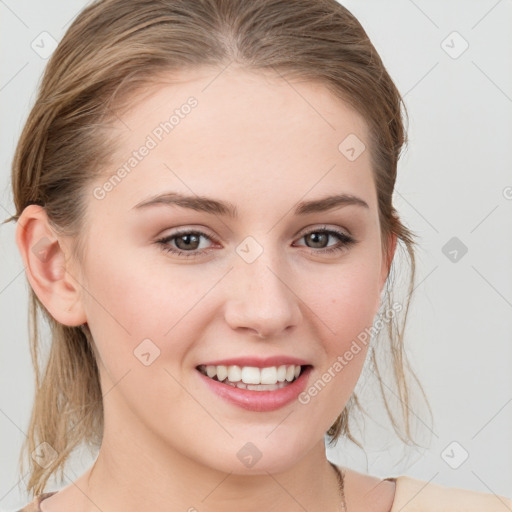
112 49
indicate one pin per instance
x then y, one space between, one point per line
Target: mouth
253 378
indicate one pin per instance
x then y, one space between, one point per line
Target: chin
258 453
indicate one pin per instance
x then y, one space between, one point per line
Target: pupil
188 239
318 238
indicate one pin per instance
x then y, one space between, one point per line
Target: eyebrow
225 208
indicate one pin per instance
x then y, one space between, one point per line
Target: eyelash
345 240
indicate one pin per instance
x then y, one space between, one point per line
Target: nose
261 299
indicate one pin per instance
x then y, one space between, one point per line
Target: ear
47 264
387 259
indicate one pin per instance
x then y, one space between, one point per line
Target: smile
255 384
253 378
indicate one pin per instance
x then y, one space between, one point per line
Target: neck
131 475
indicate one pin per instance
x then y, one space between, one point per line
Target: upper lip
258 362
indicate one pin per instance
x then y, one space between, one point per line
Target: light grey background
455 180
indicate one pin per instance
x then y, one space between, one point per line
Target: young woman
203 193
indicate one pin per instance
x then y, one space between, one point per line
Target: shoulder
366 492
413 495
407 494
34 505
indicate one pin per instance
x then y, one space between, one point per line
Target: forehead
237 130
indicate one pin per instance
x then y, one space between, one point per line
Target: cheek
345 299
130 300
143 297
344 303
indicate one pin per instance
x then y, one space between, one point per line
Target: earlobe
46 262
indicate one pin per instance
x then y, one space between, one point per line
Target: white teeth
222 372
257 387
251 377
269 375
234 373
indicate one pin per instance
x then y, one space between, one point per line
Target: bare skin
253 141
363 493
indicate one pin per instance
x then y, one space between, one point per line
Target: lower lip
259 401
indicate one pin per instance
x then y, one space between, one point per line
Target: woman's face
210 245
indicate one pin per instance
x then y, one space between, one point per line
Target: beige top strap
413 495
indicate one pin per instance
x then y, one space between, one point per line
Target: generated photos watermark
152 140
363 338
